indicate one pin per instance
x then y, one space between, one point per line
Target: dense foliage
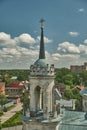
71 79
5 75
67 77
3 100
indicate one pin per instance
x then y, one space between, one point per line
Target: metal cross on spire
41 21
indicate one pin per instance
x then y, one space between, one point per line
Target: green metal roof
73 121
41 63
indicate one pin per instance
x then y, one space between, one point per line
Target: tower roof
42 49
41 61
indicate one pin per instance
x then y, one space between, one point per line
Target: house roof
79 87
16 84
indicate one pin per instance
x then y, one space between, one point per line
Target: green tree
68 94
3 100
61 73
68 79
26 101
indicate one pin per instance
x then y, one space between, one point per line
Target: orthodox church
44 113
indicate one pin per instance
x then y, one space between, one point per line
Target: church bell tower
41 82
42 106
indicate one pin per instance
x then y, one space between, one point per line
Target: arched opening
38 98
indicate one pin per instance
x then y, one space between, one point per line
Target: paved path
10 113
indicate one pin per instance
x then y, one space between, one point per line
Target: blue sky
65 32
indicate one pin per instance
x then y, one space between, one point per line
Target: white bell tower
41 83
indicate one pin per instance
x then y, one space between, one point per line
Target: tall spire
42 49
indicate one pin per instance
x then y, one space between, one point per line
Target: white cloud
16 55
67 47
6 40
11 51
46 40
83 49
73 34
56 56
81 10
29 52
85 41
25 38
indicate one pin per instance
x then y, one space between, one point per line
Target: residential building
78 68
14 91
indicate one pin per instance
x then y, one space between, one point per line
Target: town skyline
65 33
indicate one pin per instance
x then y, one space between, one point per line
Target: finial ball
42 20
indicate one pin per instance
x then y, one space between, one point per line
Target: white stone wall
46 84
84 103
35 125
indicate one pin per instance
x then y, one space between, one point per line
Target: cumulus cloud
81 10
25 38
67 47
85 41
69 53
11 51
56 56
14 54
46 40
73 34
6 40
83 49
25 51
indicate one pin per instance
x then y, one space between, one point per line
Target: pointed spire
42 49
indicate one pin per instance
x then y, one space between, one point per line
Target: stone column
40 98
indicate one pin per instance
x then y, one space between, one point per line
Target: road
10 113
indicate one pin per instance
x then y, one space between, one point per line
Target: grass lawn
14 120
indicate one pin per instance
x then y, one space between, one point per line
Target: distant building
67 104
78 68
2 88
15 90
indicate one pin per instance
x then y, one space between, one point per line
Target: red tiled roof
79 87
16 84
